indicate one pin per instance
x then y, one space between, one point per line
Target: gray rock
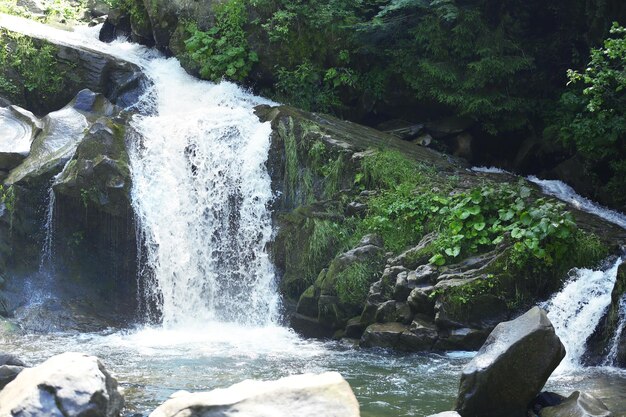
511 367
11 360
420 301
10 367
18 128
308 395
8 373
385 335
71 384
579 404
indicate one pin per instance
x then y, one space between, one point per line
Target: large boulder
511 367
579 404
327 395
71 384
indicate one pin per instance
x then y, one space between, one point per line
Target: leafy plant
35 65
222 51
592 114
487 216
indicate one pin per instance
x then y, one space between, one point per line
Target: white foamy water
201 194
566 193
577 309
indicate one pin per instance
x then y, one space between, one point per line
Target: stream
201 195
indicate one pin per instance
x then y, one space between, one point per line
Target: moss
310 242
353 283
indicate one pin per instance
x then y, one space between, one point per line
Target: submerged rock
579 404
511 367
71 384
327 395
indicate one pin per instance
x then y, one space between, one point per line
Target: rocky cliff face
348 283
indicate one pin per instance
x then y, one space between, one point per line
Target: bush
222 51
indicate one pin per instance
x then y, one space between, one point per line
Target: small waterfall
47 249
612 354
201 193
578 308
566 193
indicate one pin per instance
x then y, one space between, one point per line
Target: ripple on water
152 363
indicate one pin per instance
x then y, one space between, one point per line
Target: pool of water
152 363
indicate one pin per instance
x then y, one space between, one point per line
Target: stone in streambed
71 384
308 395
510 368
579 404
10 367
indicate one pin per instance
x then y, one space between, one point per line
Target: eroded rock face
579 404
511 367
327 395
18 128
71 384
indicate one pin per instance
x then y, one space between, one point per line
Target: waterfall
201 191
48 241
614 344
577 309
201 194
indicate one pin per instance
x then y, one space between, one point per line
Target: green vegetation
408 206
55 10
7 198
28 67
592 116
222 51
353 283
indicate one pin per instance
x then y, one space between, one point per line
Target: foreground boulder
579 404
71 384
327 395
511 367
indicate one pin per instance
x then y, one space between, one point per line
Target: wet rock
420 301
511 367
99 172
18 128
308 395
61 132
385 335
545 399
461 339
579 404
10 367
120 81
71 384
355 328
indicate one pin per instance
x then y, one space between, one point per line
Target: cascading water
614 345
566 193
201 193
578 308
